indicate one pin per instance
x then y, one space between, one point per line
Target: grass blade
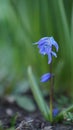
38 95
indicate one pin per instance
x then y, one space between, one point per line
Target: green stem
51 95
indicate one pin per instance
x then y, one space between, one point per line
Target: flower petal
43 44
54 43
49 58
42 40
55 112
46 77
42 51
54 54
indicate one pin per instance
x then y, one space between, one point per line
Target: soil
26 120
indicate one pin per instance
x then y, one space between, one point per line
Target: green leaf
61 114
21 87
12 128
25 102
38 95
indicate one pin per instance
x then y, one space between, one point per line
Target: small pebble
10 99
9 112
47 128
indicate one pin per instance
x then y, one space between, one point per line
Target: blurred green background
23 22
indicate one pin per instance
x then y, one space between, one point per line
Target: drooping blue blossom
46 77
45 46
55 112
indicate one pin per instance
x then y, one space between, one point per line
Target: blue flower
45 46
46 77
55 112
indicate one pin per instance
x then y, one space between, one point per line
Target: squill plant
45 46
52 114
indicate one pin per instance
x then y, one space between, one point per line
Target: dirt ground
26 120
